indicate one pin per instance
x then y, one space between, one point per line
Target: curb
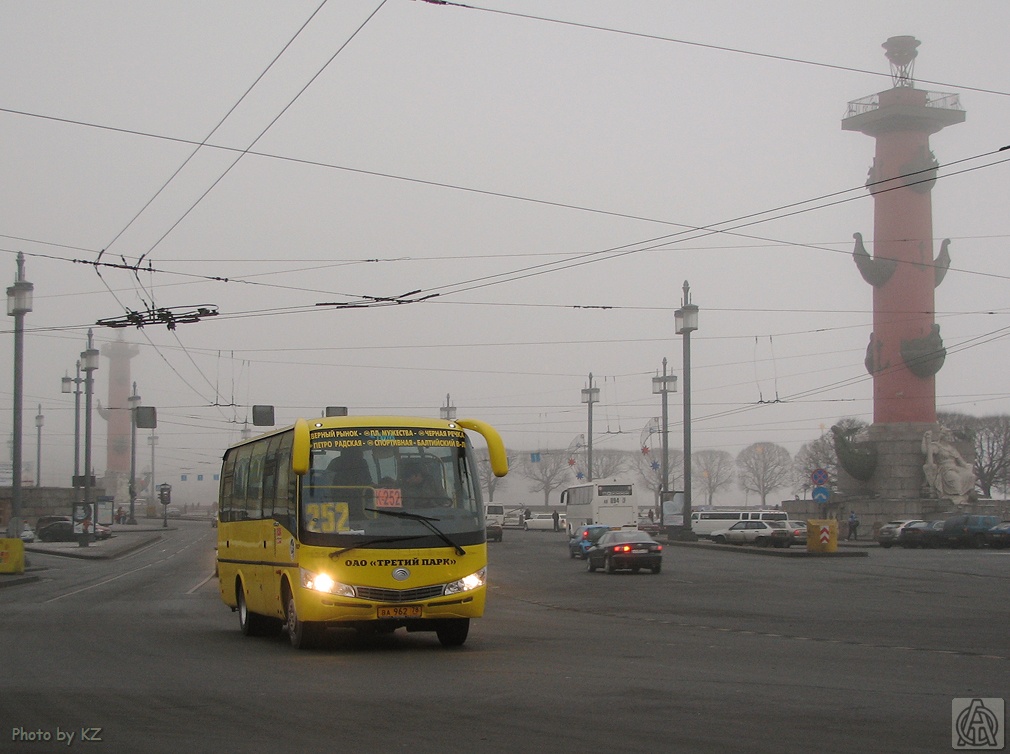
17 580
785 552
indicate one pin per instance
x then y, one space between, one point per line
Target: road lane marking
200 584
100 583
127 573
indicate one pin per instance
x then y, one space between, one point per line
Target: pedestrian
120 516
853 526
556 519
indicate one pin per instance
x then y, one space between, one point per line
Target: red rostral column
905 350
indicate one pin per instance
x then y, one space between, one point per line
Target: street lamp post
590 395
152 441
89 363
134 401
686 318
73 385
19 303
662 386
40 420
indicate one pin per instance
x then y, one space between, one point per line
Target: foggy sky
543 167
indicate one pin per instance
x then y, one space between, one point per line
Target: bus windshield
389 484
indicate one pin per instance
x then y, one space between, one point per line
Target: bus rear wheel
302 634
452 632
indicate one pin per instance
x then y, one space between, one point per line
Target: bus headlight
321 582
467 583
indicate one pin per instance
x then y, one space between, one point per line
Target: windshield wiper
426 520
367 542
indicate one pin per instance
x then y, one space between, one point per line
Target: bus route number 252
326 518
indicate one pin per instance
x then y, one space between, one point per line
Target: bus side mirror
495 446
300 447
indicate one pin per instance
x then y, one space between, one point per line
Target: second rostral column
905 350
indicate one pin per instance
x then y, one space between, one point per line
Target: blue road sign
819 477
821 494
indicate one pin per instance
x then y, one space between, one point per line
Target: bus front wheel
302 634
452 632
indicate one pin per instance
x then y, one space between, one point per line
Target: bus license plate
398 611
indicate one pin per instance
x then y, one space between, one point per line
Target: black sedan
57 531
921 534
63 531
623 550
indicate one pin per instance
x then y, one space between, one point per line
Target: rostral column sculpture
905 349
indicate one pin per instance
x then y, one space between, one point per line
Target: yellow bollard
12 555
822 535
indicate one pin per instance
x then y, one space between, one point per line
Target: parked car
760 533
513 519
541 522
46 520
625 549
921 534
887 535
493 531
967 530
649 526
798 532
57 531
585 537
999 535
62 530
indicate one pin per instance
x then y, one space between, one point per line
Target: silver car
760 533
887 535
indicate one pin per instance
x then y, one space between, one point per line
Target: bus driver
419 490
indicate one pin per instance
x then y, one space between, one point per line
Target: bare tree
711 470
990 438
992 453
650 468
764 467
816 454
608 464
547 473
488 481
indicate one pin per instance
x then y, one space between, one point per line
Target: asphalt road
721 652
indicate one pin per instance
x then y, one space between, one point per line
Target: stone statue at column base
948 475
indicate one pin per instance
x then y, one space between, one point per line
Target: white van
494 514
703 523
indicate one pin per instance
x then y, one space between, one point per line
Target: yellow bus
372 523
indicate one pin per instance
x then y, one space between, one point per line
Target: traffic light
164 494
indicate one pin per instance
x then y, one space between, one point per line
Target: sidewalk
124 539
